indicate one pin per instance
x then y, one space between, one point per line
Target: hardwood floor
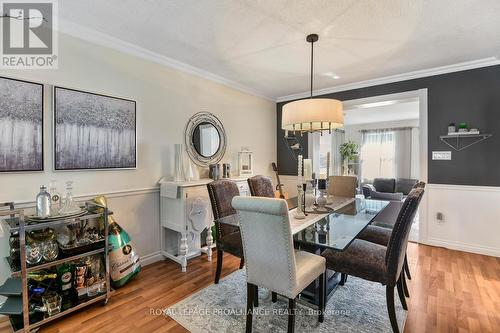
451 291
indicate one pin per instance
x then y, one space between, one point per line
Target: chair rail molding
470 221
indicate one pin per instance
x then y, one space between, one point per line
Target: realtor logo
29 34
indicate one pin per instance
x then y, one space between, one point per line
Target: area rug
358 306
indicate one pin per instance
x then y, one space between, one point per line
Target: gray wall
471 96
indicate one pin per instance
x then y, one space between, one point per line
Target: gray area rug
358 306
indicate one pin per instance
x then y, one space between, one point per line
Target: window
320 146
378 155
325 146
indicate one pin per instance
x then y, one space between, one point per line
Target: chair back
419 184
261 186
342 186
267 242
221 192
396 248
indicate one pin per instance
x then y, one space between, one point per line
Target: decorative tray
74 250
316 210
34 218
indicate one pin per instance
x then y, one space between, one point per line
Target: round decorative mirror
205 139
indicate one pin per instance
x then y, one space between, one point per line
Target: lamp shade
314 114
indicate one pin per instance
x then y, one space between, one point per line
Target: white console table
185 212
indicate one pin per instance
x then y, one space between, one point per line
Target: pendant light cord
312 61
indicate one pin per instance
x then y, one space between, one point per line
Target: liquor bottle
43 202
41 275
124 262
65 274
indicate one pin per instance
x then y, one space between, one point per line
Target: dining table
333 227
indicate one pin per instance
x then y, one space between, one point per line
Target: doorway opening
390 134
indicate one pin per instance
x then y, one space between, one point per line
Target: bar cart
19 288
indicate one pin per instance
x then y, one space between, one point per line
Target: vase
191 171
178 172
310 198
345 167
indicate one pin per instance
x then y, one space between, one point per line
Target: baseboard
151 258
488 251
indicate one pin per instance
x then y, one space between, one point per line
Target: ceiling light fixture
313 114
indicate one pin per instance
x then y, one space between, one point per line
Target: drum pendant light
312 114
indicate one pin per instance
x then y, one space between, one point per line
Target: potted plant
348 151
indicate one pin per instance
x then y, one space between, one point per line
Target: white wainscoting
136 210
471 218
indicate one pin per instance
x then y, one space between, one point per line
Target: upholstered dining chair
271 261
342 186
261 186
381 234
377 263
227 238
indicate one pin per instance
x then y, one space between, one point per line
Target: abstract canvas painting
93 131
21 125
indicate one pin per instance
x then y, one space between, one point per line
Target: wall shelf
461 141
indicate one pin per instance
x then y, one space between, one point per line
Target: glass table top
337 230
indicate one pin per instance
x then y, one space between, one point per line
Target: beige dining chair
271 260
342 186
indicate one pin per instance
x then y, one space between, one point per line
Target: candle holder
321 200
299 212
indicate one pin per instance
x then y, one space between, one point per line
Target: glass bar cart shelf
15 288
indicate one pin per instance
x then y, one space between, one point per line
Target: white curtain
321 145
338 138
388 153
403 152
377 154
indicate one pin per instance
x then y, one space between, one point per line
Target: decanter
55 198
69 206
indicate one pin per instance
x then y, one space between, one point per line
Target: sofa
395 189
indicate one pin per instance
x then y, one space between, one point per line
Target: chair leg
291 315
218 271
406 267
401 293
343 279
274 297
250 295
242 263
322 297
389 294
256 297
405 287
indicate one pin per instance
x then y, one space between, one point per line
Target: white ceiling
260 44
400 111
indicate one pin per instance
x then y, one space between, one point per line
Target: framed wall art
21 125
93 131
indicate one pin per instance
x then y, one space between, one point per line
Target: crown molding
485 62
102 39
